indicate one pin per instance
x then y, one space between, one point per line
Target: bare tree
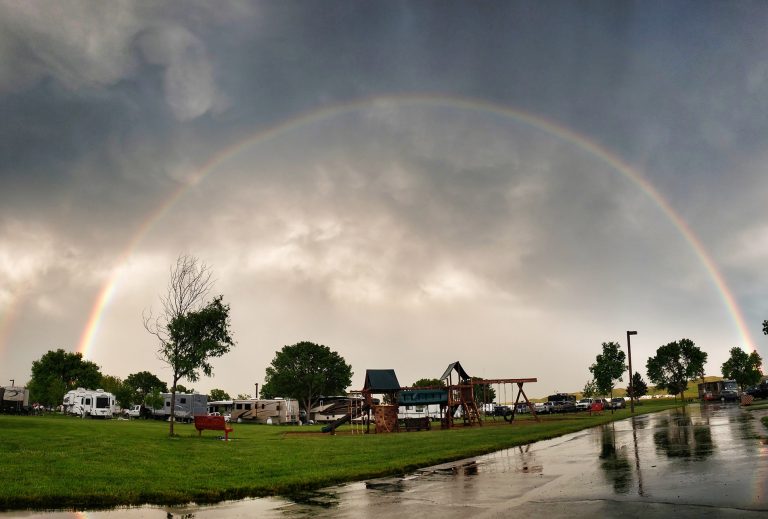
188 329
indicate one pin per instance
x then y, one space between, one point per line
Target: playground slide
344 419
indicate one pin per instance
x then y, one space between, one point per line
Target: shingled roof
381 381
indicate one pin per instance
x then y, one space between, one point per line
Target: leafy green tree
154 400
744 368
142 384
183 389
639 387
306 371
484 393
218 395
57 372
190 331
608 367
123 394
243 396
675 364
429 382
590 389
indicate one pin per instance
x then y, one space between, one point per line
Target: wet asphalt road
705 461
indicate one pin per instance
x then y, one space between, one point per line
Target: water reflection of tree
615 461
678 437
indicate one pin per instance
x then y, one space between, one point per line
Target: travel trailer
275 411
331 408
188 405
14 399
89 403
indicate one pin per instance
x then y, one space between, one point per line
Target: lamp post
631 389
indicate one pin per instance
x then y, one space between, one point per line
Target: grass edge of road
56 462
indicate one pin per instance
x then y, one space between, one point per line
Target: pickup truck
139 411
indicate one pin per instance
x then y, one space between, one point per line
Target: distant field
63 462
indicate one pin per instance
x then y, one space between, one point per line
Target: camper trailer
331 408
275 411
14 399
188 405
89 403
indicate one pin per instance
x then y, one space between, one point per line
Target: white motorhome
188 405
275 411
89 402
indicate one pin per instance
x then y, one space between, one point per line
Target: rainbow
109 288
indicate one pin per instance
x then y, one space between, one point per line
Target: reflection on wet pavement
698 461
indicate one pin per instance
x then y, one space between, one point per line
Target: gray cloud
399 229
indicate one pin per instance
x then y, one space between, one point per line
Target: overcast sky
408 183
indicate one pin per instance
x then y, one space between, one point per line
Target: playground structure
456 398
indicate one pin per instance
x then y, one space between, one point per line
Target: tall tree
218 395
639 387
429 382
608 367
744 368
123 394
190 331
143 384
675 364
57 372
484 393
306 371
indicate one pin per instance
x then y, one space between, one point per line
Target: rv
331 408
188 405
14 399
275 411
719 390
89 403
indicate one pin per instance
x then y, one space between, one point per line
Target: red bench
212 423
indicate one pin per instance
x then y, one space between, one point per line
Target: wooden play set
456 398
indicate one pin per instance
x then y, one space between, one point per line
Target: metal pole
631 374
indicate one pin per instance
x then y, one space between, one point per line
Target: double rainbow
110 287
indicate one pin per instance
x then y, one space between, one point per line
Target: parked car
584 404
618 403
759 391
134 411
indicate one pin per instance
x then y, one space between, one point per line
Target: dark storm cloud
109 107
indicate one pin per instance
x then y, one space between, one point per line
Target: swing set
456 398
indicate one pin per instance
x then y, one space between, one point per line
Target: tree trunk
173 404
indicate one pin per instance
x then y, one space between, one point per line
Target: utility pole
631 374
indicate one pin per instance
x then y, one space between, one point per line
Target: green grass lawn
63 462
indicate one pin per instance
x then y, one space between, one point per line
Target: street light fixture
631 389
